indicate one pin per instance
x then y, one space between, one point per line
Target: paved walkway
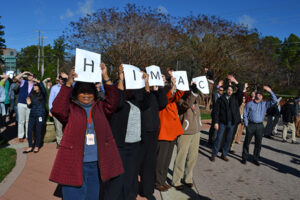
278 177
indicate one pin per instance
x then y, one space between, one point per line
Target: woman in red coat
88 154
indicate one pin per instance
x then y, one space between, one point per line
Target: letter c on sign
200 84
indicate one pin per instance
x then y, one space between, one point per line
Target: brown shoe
212 159
161 188
21 140
179 187
166 186
225 158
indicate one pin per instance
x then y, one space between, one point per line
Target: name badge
90 140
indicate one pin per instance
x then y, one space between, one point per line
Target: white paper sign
202 84
87 66
133 77
182 82
10 73
155 78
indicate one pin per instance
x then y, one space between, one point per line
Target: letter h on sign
85 64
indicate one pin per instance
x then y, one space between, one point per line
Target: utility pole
43 57
39 51
57 70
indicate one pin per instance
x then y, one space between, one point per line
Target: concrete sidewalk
278 177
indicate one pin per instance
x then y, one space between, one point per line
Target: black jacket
288 112
38 107
119 119
225 110
150 118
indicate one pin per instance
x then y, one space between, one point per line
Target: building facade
10 60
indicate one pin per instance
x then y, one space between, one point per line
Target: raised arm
61 104
273 99
111 101
188 101
18 77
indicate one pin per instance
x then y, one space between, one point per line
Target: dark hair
230 86
259 92
38 94
83 87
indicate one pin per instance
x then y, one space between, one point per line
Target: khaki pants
58 130
298 126
187 153
291 127
23 115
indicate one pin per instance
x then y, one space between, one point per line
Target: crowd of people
118 143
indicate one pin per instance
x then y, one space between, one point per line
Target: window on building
11 53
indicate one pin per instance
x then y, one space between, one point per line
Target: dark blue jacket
38 108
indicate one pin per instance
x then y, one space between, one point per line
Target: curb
14 174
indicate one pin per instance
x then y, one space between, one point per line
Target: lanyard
90 118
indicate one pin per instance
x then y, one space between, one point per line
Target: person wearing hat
254 114
87 155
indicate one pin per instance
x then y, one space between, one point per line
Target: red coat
68 165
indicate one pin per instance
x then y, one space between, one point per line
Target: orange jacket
170 125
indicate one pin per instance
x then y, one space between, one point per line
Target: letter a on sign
87 66
182 82
133 77
202 84
155 78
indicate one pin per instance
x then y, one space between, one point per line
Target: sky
23 18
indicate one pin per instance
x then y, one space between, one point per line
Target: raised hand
121 73
63 75
71 77
232 79
173 82
267 88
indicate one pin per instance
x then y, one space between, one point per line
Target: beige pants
187 153
298 126
291 127
58 130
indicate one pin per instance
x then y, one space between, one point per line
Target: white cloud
83 9
68 14
246 20
86 7
162 9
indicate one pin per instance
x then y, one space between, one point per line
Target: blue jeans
90 188
229 130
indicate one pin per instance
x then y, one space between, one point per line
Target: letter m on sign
157 76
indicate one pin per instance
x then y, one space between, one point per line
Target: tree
290 58
27 59
2 41
143 37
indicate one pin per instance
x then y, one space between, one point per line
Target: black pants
119 188
212 133
163 159
38 123
257 131
147 165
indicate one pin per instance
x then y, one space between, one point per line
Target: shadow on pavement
280 151
280 167
192 194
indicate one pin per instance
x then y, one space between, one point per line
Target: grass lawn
8 158
205 114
